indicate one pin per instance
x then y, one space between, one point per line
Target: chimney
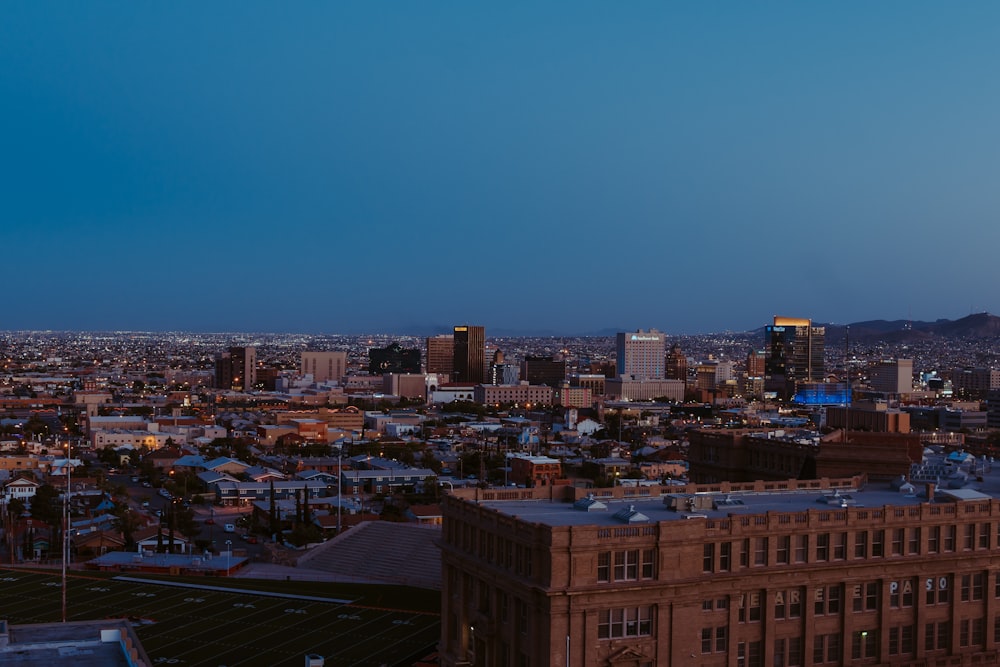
930 492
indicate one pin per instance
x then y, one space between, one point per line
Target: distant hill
979 325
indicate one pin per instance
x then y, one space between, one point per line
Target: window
913 545
484 597
897 541
901 640
933 539
749 609
949 538
901 593
968 536
627 563
627 622
784 547
827 600
713 640
708 557
823 546
801 548
604 566
878 543
745 553
725 557
978 631
522 617
504 603
840 546
984 536
936 636
760 551
788 604
826 648
864 644
866 597
707 605
648 563
978 585
861 544
936 590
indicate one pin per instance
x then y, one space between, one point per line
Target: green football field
351 625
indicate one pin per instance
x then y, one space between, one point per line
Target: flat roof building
814 572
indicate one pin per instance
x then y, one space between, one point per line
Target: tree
46 505
273 511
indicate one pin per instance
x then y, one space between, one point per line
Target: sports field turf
354 625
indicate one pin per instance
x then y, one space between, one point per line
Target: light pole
229 553
66 523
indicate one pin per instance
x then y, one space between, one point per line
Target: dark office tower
543 370
470 354
393 359
236 369
756 363
794 354
676 367
441 355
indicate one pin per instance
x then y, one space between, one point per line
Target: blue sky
534 167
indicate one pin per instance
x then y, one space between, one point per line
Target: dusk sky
532 167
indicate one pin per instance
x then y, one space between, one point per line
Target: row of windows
625 622
491 548
865 597
825 547
626 565
864 643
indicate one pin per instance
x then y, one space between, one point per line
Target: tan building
620 388
868 416
574 397
520 394
405 385
324 366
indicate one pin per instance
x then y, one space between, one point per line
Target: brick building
818 572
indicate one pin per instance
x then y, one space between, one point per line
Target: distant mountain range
980 325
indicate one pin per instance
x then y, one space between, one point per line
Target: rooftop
81 643
973 479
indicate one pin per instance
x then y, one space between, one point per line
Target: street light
229 553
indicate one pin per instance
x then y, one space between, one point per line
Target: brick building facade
819 572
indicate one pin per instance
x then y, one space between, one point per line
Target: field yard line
224 589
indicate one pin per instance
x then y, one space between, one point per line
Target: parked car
230 528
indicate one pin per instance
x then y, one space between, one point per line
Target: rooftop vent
631 515
728 501
837 498
589 504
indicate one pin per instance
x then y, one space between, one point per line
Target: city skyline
402 168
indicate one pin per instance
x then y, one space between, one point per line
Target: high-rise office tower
794 349
441 354
543 370
470 354
756 363
677 364
894 376
324 366
641 355
393 358
236 369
